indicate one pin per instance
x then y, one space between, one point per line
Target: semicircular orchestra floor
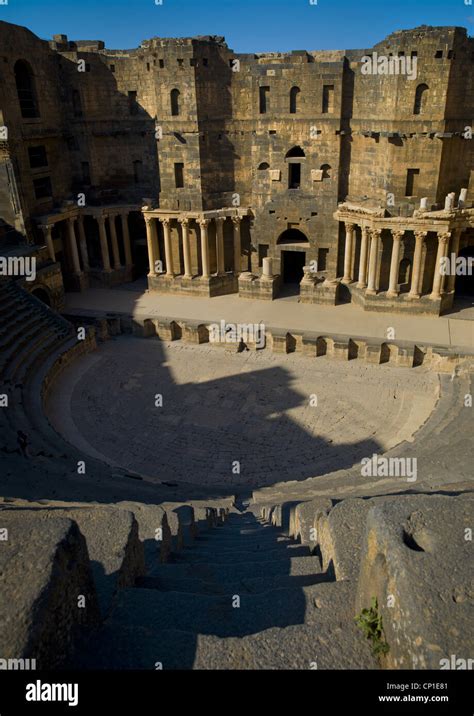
207 415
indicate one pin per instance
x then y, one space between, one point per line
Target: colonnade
368 274
184 221
77 242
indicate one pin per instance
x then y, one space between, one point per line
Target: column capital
203 223
444 237
398 234
220 219
101 218
376 233
237 220
183 220
45 227
149 220
166 222
420 235
350 227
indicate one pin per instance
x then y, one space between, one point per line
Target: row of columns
153 248
372 237
74 240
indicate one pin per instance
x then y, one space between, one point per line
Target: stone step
239 545
220 615
254 585
224 572
204 556
329 639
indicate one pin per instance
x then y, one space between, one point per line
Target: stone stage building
213 172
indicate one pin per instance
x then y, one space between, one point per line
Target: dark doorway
293 262
465 284
42 295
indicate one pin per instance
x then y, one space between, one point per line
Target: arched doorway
42 295
293 255
465 284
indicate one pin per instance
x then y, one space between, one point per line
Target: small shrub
370 621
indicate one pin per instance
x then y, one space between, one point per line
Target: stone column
186 249
420 237
373 261
83 243
451 279
73 247
168 251
47 230
126 240
236 222
104 246
364 247
152 244
416 276
204 248
443 242
220 245
115 246
394 264
350 228
267 267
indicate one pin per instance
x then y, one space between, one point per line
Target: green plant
370 621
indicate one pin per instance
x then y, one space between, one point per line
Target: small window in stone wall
294 93
326 169
263 166
137 171
132 103
421 95
179 175
37 157
76 103
205 62
42 188
174 98
26 90
412 175
161 63
264 101
112 68
439 54
180 62
328 99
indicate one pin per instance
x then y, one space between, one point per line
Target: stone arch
420 99
294 152
26 90
42 294
263 166
292 236
175 95
294 93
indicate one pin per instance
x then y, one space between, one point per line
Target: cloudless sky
248 25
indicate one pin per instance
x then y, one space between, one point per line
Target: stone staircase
242 596
29 333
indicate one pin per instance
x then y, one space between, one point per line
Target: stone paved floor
220 407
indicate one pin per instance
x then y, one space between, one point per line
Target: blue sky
248 25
